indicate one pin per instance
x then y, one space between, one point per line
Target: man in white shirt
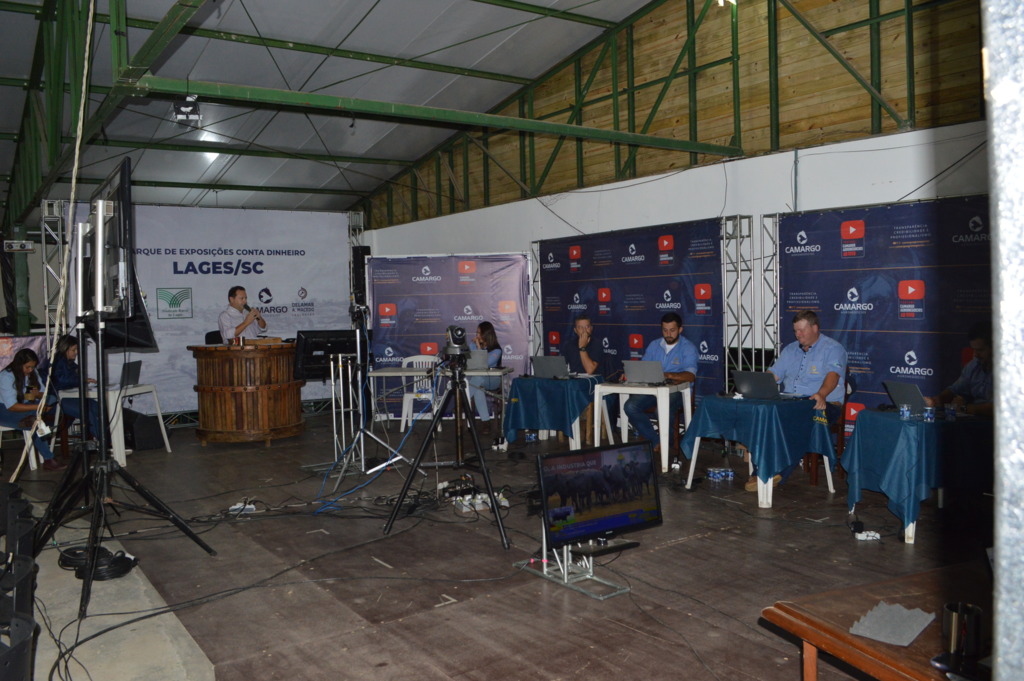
238 320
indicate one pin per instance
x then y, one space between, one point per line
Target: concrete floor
301 589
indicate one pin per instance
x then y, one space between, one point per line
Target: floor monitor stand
456 388
560 568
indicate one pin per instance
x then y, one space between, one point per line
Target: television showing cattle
599 492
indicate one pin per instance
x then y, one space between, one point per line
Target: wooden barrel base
250 435
247 393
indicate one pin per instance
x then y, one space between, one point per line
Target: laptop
130 372
906 393
643 372
756 385
477 360
550 367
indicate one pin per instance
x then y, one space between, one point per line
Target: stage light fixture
187 111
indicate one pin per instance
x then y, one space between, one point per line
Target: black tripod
456 388
88 492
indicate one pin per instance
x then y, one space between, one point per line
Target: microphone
249 309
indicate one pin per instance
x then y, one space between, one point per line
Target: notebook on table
130 373
906 393
477 360
756 385
643 372
550 367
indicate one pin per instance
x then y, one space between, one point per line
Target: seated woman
486 339
19 398
64 376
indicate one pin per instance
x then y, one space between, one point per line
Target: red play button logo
507 306
852 409
911 289
852 229
428 348
575 252
666 242
604 294
467 267
636 340
554 338
702 291
386 309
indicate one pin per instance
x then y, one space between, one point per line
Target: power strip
239 509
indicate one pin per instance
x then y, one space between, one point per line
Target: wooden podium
247 392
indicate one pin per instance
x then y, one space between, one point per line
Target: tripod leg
92 545
415 465
495 508
69 494
166 510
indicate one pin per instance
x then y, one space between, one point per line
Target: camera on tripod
456 348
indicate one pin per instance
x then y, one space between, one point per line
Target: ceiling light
186 111
721 3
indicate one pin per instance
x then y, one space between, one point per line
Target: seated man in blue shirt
812 365
678 357
972 392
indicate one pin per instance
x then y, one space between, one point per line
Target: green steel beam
251 95
548 12
575 114
823 41
151 50
737 111
21 83
246 39
773 75
214 148
691 36
208 186
908 29
9 137
21 8
875 51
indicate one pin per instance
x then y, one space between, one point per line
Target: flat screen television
598 493
314 348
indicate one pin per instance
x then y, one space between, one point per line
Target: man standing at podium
238 320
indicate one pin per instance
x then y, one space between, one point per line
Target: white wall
897 167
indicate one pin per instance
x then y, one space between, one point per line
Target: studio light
187 111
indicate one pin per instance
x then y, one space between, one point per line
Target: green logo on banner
174 303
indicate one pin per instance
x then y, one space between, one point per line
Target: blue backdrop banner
897 285
626 280
413 300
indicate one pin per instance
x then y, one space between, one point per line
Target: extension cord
464 504
242 508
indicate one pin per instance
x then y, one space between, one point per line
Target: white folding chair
418 389
34 459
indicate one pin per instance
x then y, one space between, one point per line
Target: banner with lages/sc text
413 300
898 285
625 281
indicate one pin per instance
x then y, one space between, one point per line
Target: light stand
73 494
455 355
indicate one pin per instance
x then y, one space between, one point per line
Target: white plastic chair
418 389
34 459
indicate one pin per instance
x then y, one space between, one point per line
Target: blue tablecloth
546 404
776 432
905 460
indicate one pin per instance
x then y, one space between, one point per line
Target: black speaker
141 431
359 256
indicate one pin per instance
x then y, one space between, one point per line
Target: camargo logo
427 276
704 356
576 304
669 304
854 304
606 345
468 315
911 367
633 258
802 246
